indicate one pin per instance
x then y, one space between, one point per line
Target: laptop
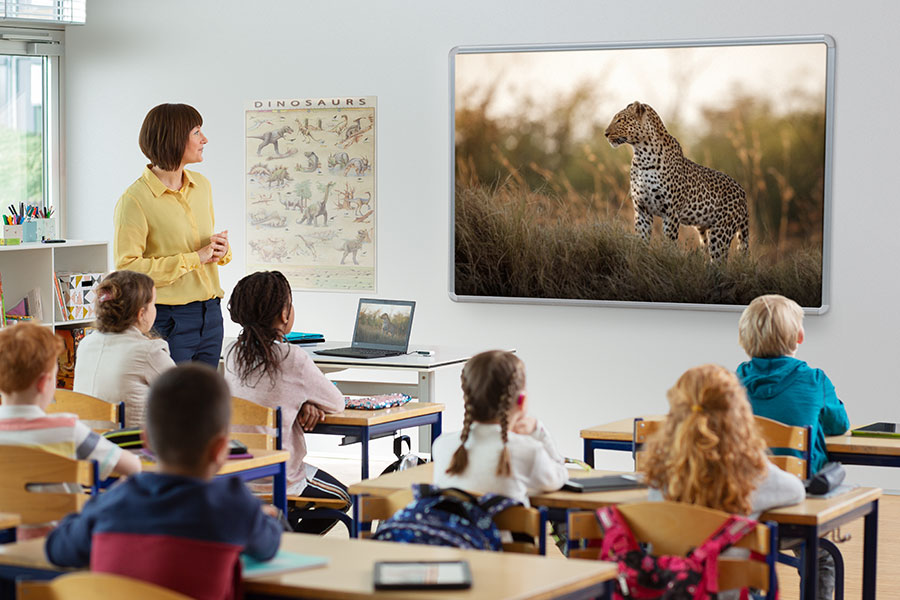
382 329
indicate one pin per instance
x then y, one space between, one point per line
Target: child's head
188 413
771 326
125 298
493 385
709 451
262 305
28 363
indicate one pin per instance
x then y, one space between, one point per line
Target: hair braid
460 459
503 465
256 303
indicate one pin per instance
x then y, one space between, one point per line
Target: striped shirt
60 433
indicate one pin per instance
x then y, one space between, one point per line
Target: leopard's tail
745 236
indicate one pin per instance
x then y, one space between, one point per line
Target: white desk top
443 356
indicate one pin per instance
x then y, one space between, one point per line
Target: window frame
46 41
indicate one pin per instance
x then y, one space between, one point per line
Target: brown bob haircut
165 132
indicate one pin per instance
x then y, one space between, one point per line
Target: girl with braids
501 449
710 453
120 360
261 367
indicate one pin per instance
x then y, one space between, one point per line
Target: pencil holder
29 231
46 228
11 235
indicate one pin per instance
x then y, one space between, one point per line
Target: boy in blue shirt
177 527
783 388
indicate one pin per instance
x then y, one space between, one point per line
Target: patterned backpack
447 517
642 576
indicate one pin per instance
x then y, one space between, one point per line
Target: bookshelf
34 265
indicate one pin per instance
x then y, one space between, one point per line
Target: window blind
47 11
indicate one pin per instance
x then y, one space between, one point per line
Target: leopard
667 184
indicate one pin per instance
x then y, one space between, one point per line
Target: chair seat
319 502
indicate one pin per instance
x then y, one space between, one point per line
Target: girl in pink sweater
261 367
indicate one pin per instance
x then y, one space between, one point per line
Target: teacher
164 227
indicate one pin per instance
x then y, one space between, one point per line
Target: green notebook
881 430
282 562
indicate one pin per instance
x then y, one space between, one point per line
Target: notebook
382 329
283 561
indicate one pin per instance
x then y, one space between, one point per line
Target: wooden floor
888 543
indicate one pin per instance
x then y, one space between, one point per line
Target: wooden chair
528 522
246 412
76 586
103 415
675 528
21 466
779 436
643 430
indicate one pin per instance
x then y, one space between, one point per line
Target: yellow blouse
158 232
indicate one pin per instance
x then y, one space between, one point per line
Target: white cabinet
34 265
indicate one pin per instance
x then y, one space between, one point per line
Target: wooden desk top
8 520
384 415
495 575
348 575
812 511
261 458
852 444
622 431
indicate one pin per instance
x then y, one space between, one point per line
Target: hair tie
696 408
103 297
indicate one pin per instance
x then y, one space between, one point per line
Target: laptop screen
383 324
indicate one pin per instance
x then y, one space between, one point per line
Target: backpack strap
617 536
494 504
707 553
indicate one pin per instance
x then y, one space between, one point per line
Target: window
56 11
30 117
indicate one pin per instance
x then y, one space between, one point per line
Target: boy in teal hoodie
785 389
781 387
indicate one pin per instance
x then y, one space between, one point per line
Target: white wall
585 365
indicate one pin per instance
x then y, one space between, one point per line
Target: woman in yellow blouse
164 227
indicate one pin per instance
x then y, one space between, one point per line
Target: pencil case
376 402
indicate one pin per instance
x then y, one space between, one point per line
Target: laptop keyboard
358 352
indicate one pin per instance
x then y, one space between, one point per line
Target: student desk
348 574
809 520
424 367
265 463
366 424
8 524
847 449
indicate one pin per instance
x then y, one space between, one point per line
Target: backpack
447 517
404 461
642 576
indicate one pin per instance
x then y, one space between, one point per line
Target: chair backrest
21 466
101 414
643 430
675 528
516 519
779 436
245 412
76 586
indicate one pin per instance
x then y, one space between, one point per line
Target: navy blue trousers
194 331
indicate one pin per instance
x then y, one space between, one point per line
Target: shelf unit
34 265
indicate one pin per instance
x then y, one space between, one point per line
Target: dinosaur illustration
337 162
313 211
312 163
271 137
304 130
355 245
362 218
359 165
279 176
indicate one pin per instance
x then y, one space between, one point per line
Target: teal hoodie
788 390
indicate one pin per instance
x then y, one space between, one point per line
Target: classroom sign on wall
310 191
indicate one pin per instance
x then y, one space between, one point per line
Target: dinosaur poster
310 188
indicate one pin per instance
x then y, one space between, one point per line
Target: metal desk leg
589 453
436 428
279 488
364 440
354 532
870 552
810 564
425 394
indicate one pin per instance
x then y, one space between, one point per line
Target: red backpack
642 576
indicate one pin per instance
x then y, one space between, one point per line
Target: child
779 386
262 368
118 362
501 449
709 451
28 364
783 388
177 527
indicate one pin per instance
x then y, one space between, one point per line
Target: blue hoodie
788 390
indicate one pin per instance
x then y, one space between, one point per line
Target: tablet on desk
605 483
425 575
881 429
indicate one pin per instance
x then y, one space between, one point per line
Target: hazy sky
677 82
